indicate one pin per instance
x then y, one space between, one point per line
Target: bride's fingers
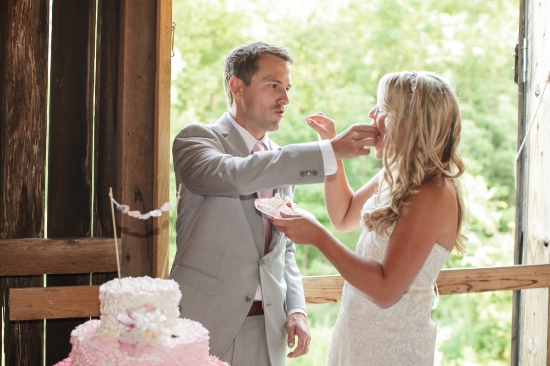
285 215
317 114
320 118
325 130
311 123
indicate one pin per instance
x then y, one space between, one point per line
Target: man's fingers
303 346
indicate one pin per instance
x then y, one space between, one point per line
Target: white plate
270 214
265 212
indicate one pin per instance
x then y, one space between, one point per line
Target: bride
411 215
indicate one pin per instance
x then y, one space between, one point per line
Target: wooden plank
22 257
521 186
136 114
23 117
70 145
24 35
534 317
106 154
106 157
322 289
468 280
54 302
83 301
71 119
161 187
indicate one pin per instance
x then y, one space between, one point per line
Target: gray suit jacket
220 241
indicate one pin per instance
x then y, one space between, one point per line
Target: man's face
261 105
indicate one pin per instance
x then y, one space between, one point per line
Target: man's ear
236 85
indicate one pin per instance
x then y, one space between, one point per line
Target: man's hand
297 326
354 141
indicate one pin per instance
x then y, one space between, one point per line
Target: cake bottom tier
188 349
212 361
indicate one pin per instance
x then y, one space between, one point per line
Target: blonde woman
411 214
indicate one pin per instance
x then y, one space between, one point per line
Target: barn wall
535 201
108 105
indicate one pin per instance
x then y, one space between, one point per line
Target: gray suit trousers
250 346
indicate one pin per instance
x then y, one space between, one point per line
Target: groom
249 298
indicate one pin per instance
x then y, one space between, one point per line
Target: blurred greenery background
341 49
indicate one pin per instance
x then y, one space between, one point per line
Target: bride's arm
342 203
429 217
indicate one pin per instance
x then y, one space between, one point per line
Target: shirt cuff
296 310
329 159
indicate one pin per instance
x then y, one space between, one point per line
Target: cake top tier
137 297
142 286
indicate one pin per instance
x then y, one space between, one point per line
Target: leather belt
256 309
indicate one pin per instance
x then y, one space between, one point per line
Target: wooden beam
24 40
135 128
54 302
161 185
468 280
22 257
106 158
322 289
521 187
70 144
83 301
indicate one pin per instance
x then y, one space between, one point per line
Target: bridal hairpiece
413 81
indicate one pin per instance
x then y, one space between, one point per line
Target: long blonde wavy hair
423 133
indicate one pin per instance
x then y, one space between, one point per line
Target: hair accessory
413 81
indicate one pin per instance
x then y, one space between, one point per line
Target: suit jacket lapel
254 217
232 136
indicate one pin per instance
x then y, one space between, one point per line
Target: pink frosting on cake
189 348
140 325
65 362
212 361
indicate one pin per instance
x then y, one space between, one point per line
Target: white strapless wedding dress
403 334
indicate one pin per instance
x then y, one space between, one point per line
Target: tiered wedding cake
140 325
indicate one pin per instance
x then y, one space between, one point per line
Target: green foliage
341 49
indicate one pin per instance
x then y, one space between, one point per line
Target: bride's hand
324 126
301 228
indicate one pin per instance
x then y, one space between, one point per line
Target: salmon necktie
260 146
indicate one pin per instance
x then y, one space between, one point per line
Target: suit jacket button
262 262
248 298
314 172
302 173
